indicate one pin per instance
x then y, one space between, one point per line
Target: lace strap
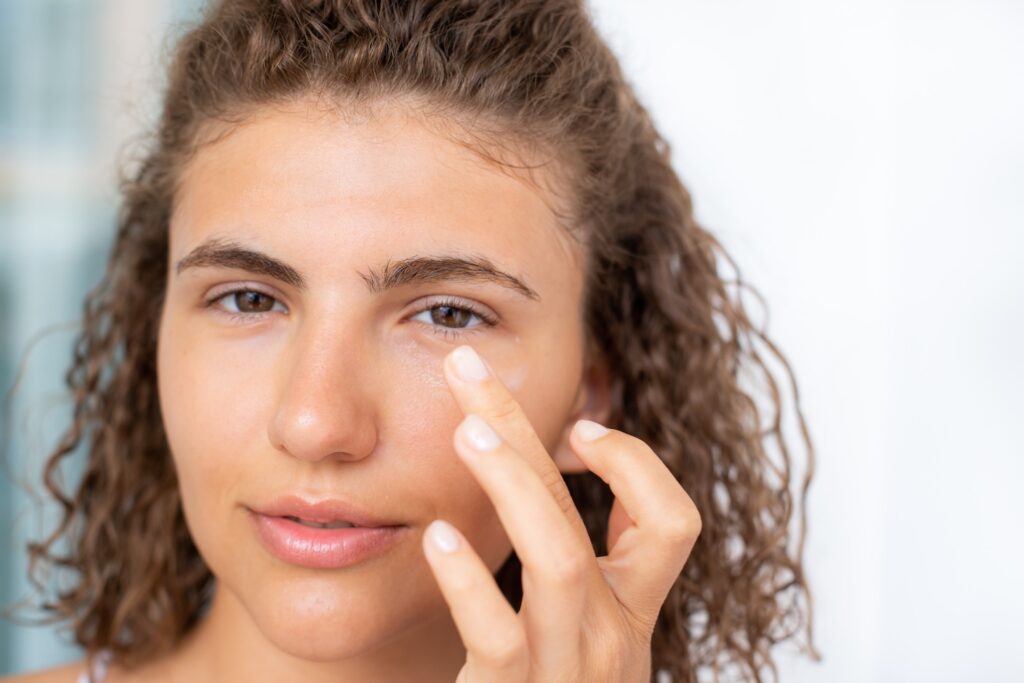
99 669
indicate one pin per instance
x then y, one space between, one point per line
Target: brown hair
657 307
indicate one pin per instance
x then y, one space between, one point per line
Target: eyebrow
406 271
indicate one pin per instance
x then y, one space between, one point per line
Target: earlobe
593 402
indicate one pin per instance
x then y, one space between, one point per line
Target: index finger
477 389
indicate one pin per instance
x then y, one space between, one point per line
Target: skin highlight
339 390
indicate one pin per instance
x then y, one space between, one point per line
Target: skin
348 396
339 391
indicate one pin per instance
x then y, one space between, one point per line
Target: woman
388 263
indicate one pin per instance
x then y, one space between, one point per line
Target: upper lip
323 510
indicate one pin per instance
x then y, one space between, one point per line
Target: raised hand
583 618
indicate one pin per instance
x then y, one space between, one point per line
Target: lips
323 534
323 548
323 513
320 525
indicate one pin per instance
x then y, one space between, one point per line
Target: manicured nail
443 536
589 430
480 434
468 365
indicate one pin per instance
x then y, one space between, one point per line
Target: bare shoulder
160 670
67 673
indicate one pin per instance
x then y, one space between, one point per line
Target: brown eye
450 316
454 318
249 301
246 303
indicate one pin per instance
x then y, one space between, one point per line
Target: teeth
321 525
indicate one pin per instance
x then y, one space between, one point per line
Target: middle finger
556 564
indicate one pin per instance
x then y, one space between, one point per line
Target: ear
593 402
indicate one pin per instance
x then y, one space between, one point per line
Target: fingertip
442 537
588 431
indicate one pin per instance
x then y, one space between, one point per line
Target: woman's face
323 379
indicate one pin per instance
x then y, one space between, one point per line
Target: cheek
420 425
422 415
211 402
214 393
543 374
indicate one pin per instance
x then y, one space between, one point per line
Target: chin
316 619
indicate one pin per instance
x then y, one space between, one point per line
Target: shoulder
67 673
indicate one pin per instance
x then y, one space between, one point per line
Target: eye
447 316
246 303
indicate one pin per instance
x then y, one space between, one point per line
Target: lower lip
306 546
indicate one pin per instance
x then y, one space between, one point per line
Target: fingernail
480 434
589 430
443 536
468 365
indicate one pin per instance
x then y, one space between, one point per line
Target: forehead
326 185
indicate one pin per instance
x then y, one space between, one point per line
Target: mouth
320 525
324 513
334 544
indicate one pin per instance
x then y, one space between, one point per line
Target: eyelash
487 319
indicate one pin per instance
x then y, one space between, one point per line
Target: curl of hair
657 308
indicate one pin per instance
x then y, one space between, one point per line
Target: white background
863 161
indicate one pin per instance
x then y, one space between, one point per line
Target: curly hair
677 338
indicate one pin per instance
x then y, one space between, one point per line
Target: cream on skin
333 390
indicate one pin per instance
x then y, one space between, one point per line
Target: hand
583 618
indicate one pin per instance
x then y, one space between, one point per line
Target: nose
323 409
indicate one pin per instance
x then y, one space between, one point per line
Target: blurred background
862 161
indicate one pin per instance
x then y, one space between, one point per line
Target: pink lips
323 510
323 548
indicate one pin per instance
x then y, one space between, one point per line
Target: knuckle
568 569
552 480
504 650
684 526
565 502
503 408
